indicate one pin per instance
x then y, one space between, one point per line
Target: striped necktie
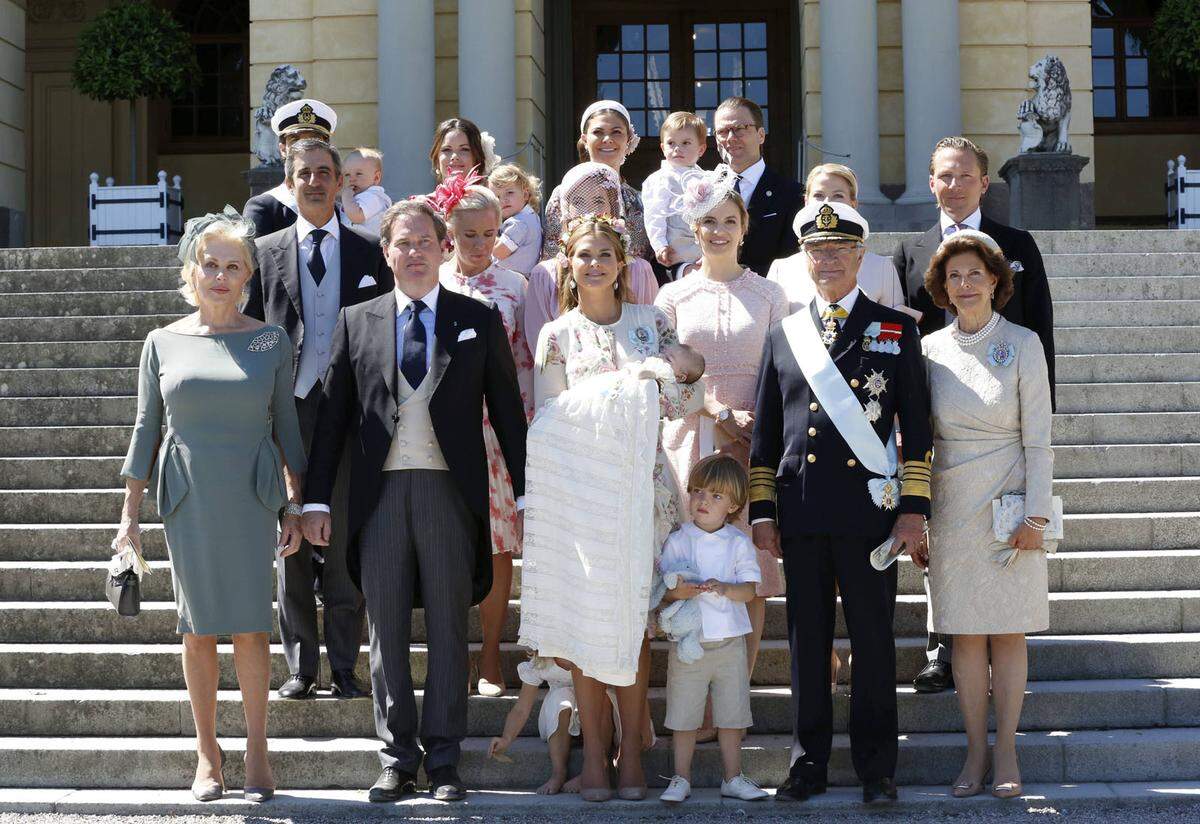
952 228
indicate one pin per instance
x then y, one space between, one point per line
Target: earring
571 284
616 286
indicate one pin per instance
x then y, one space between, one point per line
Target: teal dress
225 400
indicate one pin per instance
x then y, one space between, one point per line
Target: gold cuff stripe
919 489
758 496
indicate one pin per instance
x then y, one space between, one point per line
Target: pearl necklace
974 338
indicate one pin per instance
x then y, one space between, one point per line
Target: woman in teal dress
228 465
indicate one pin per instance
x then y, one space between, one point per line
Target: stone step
1162 396
1147 367
89 328
1126 428
54 382
67 505
1115 340
1126 313
70 354
1146 531
96 622
60 473
1089 241
47 665
50 441
126 279
68 257
110 410
1127 287
69 304
1130 460
925 758
75 542
1119 263
1049 705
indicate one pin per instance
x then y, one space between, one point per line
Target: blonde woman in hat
877 278
229 468
276 209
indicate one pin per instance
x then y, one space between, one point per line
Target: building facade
868 82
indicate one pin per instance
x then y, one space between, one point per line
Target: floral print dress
506 289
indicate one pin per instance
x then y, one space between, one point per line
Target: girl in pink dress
473 222
722 310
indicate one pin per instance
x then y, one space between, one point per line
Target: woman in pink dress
473 222
722 310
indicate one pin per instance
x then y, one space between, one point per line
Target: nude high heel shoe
208 789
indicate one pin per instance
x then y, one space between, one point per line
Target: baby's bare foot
551 787
572 786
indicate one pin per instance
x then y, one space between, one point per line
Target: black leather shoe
799 788
879 789
345 685
445 784
392 785
936 677
298 686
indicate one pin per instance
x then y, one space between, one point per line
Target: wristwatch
723 415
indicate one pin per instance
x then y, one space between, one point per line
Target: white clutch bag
1008 512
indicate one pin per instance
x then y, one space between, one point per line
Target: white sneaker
678 790
743 788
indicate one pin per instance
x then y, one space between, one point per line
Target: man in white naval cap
276 209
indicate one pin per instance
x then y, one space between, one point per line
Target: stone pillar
932 91
406 99
487 75
850 91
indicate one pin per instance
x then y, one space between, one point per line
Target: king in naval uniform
834 379
275 209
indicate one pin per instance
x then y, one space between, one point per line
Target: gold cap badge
827 218
307 116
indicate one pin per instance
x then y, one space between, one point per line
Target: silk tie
952 228
412 356
316 261
832 314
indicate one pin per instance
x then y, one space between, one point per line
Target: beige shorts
723 670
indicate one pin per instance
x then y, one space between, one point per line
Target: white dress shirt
972 221
726 555
749 180
329 244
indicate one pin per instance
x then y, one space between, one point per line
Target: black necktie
316 262
412 356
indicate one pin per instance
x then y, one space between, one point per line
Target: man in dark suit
275 209
771 199
307 272
415 368
824 475
958 178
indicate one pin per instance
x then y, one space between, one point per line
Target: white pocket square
366 281
466 334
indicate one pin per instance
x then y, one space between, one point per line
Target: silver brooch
1016 266
264 342
1001 353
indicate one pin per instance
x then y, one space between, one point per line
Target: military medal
831 331
885 492
873 410
883 337
875 383
1001 353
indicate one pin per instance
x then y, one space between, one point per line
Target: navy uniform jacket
267 214
803 473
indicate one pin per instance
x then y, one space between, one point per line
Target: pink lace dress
726 323
506 289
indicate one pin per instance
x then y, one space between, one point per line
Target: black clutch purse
124 592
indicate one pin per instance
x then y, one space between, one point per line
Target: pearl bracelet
1034 525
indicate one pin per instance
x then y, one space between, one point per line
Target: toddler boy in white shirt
724 559
683 137
363 198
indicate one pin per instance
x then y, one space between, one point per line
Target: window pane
633 67
731 64
756 90
207 57
658 38
1135 72
707 116
706 95
208 122
1133 44
766 118
633 95
731 88
608 67
657 116
1102 72
704 36
658 66
1104 103
658 94
231 57
608 91
608 39
706 65
756 64
731 35
756 35
1102 42
208 91
232 124
1137 103
638 116
632 38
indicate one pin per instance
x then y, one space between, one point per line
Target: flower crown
615 223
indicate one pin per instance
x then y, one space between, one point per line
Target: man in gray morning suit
307 273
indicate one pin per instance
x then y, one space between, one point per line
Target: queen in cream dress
991 434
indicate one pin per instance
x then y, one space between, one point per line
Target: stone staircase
91 699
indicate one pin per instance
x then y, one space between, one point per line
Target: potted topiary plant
130 51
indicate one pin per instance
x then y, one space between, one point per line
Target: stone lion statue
284 85
1044 120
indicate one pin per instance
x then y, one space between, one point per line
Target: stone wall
12 123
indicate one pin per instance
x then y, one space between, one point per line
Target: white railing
1183 195
134 215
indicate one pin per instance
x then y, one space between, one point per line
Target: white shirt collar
671 168
752 175
972 220
694 532
303 227
846 303
430 299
